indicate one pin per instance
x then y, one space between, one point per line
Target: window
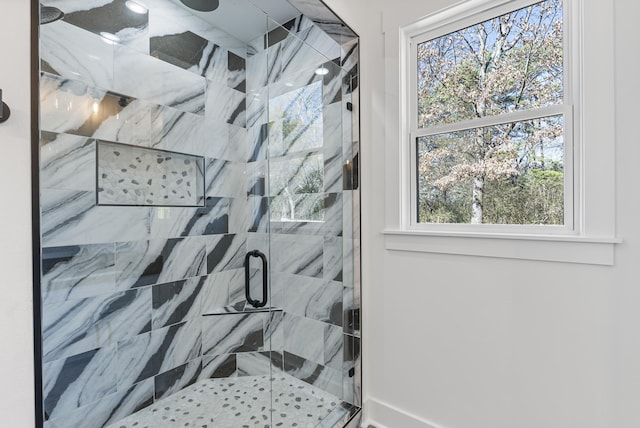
491 121
504 145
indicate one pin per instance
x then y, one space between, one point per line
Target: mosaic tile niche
130 175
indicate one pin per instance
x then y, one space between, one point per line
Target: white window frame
588 235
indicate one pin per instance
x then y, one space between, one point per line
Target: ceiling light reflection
109 38
136 7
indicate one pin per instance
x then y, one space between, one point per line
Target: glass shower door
308 172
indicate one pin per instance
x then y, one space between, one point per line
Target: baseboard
383 415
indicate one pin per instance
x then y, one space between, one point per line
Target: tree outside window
488 147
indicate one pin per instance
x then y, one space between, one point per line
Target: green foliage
534 198
289 125
312 185
311 182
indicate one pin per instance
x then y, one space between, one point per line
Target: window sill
563 248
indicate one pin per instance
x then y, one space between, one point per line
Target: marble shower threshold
243 402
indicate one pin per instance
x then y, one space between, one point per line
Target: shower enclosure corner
199 215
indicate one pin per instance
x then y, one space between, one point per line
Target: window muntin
491 116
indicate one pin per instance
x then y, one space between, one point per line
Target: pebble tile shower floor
237 403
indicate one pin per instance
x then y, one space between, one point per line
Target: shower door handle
247 279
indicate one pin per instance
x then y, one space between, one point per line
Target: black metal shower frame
35 212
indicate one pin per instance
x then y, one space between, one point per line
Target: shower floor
238 403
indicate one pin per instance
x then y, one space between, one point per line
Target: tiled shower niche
143 280
130 175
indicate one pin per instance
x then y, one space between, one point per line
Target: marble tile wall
325 19
124 288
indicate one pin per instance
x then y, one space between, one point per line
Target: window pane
512 62
296 170
506 174
297 188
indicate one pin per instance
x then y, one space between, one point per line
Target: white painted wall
471 342
532 344
16 331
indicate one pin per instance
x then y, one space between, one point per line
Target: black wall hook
5 112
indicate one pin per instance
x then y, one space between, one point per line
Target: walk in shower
199 215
